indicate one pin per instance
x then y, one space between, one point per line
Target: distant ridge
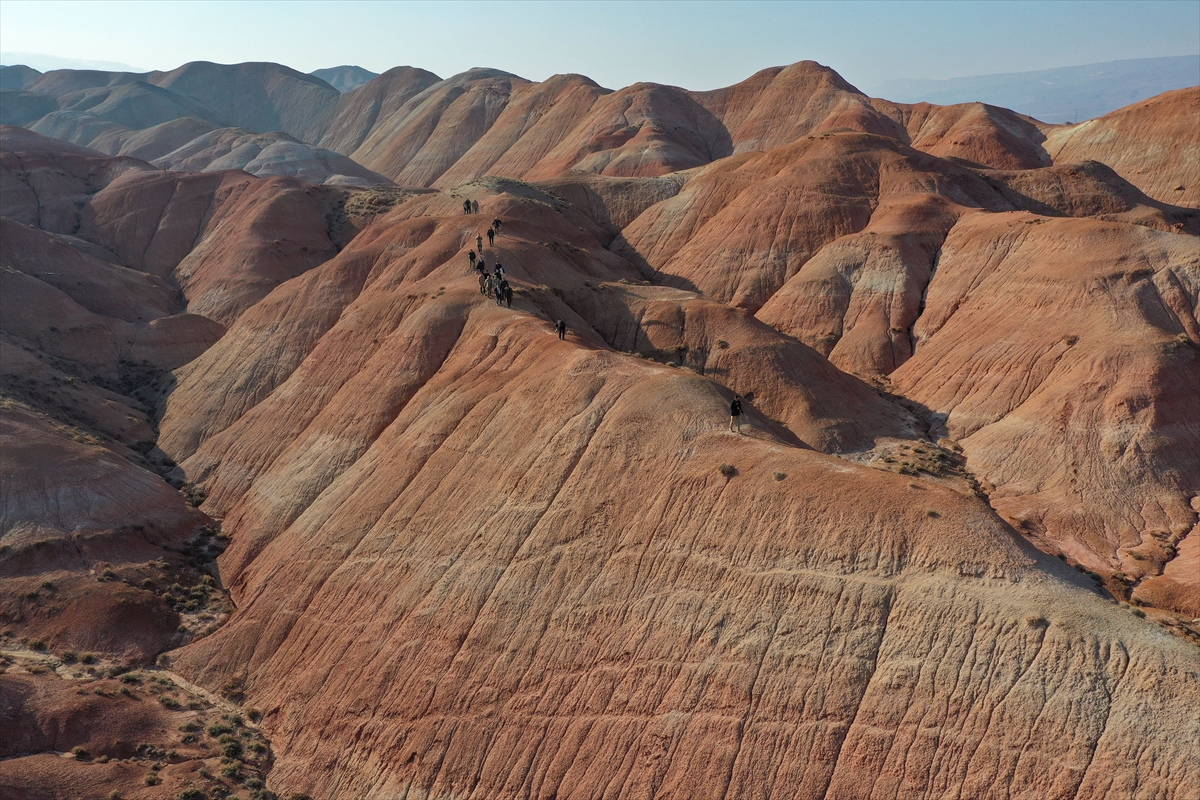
344 78
1066 94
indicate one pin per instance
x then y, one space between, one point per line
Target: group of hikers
490 283
496 285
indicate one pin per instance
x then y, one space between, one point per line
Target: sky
697 45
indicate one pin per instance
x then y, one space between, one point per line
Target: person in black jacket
560 328
735 413
496 225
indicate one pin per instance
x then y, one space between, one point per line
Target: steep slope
779 105
359 111
857 299
975 133
435 127
604 606
90 535
225 238
1151 144
537 119
1084 423
740 228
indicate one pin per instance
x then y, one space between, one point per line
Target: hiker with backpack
735 413
560 328
466 206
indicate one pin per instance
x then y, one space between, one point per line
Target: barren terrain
290 507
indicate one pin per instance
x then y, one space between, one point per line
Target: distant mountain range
1067 94
44 62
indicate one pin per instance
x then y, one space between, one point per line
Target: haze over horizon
616 44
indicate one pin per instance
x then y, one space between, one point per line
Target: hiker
491 234
561 328
499 269
735 413
499 293
508 293
471 258
484 282
474 206
496 225
466 206
479 243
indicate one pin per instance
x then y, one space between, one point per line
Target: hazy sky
698 45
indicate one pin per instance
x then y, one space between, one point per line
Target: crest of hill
1152 144
257 95
345 78
17 76
360 110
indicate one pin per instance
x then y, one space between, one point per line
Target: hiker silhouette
466 206
491 234
560 327
474 206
